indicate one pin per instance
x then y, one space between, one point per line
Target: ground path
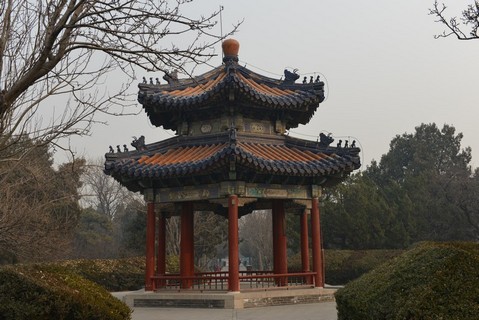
310 311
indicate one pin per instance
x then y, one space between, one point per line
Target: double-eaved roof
230 125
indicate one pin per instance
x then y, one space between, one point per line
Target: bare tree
67 47
173 235
464 27
38 207
256 234
211 234
108 198
101 192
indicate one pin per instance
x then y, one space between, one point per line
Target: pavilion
232 155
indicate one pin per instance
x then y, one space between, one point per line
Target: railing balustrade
218 281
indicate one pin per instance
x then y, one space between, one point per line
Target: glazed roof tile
195 89
166 160
223 83
250 86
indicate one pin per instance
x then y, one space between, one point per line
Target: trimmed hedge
112 274
115 274
343 266
52 292
430 281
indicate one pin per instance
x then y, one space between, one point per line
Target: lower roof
188 157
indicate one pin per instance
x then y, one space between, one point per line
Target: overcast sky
385 73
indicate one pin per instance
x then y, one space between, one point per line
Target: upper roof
178 161
231 85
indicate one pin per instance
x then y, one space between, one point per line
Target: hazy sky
385 74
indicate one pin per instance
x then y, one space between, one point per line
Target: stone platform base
228 300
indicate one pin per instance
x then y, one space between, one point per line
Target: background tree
463 192
173 235
464 28
130 228
356 215
211 236
422 189
426 165
102 192
93 236
256 238
98 236
293 232
112 222
66 47
39 205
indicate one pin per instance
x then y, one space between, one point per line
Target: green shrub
173 264
112 274
430 281
115 274
342 266
52 292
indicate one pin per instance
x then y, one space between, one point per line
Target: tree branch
469 19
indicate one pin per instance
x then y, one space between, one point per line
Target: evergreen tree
418 175
422 189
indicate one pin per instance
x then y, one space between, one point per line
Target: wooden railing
218 281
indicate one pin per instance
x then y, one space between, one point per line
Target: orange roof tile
264 88
213 88
181 155
187 157
196 89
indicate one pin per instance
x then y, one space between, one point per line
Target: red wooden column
233 251
161 254
279 241
187 254
316 240
150 247
304 242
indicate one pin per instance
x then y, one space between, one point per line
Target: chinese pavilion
231 155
